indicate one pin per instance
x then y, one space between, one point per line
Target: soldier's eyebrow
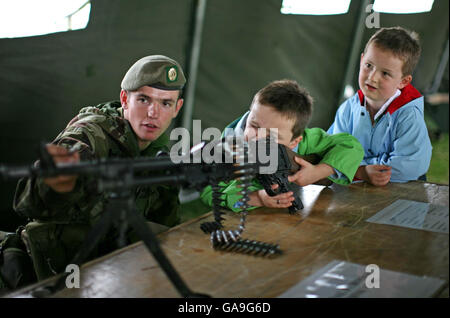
142 95
169 100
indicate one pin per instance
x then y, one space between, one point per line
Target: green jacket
342 151
102 132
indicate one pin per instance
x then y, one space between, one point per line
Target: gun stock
311 158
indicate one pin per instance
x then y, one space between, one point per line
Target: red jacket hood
408 94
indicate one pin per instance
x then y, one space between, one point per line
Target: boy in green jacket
287 107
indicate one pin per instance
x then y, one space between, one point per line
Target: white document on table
414 215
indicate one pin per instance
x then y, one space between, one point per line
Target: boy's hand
280 201
62 184
310 173
378 175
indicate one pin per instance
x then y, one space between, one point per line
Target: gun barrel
154 180
14 172
94 167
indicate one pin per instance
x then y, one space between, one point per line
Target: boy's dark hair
403 43
289 99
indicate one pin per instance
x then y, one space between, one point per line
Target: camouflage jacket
102 132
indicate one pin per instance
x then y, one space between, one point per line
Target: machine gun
118 177
124 173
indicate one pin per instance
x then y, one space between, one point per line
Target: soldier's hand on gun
310 173
280 201
60 154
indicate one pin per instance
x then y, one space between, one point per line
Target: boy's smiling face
380 75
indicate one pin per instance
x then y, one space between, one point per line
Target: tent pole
193 64
355 50
439 72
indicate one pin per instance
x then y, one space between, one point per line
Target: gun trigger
271 192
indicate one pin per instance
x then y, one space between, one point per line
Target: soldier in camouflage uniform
64 208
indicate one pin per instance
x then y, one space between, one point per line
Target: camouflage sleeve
34 199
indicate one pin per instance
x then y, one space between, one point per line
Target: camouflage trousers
53 246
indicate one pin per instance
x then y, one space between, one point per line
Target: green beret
157 71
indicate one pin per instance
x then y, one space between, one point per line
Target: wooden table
331 227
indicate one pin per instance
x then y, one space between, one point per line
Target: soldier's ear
178 106
124 99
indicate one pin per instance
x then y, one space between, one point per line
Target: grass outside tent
438 171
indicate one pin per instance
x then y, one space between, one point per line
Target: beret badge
172 74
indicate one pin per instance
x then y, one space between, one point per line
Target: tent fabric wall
48 78
247 44
242 52
45 80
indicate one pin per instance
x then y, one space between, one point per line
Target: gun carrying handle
312 158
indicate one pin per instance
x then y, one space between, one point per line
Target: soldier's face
150 111
262 116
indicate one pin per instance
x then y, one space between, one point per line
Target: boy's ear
405 81
294 142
